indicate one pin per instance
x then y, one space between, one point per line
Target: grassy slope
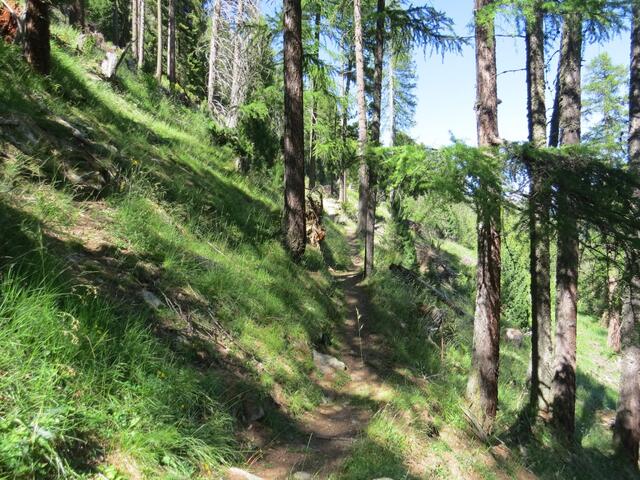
91 376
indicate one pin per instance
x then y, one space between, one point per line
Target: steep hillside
148 309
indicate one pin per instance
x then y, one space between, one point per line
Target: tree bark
294 208
213 55
134 28
363 191
140 46
627 425
539 205
346 85
564 378
235 74
482 386
37 49
392 97
76 15
313 134
159 40
171 44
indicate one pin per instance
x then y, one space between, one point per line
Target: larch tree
37 48
294 201
482 386
312 173
539 206
364 193
171 44
627 424
213 54
159 40
564 376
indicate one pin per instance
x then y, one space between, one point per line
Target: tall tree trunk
392 96
611 314
554 123
134 28
482 387
363 191
213 54
375 137
564 378
313 134
171 44
346 85
159 40
539 204
76 15
294 209
37 49
627 425
140 46
235 74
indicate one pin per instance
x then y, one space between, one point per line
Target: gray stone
238 474
151 299
327 363
302 476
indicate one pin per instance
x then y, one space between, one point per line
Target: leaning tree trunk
294 209
171 44
539 205
140 46
37 49
564 377
627 425
159 40
363 191
213 55
312 173
482 386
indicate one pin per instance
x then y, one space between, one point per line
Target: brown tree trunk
539 204
171 44
76 15
37 49
312 173
294 208
159 40
363 191
346 84
375 137
564 378
140 46
213 54
627 425
482 387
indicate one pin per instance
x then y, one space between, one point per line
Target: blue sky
446 88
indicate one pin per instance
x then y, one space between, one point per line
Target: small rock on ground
239 474
302 476
327 363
